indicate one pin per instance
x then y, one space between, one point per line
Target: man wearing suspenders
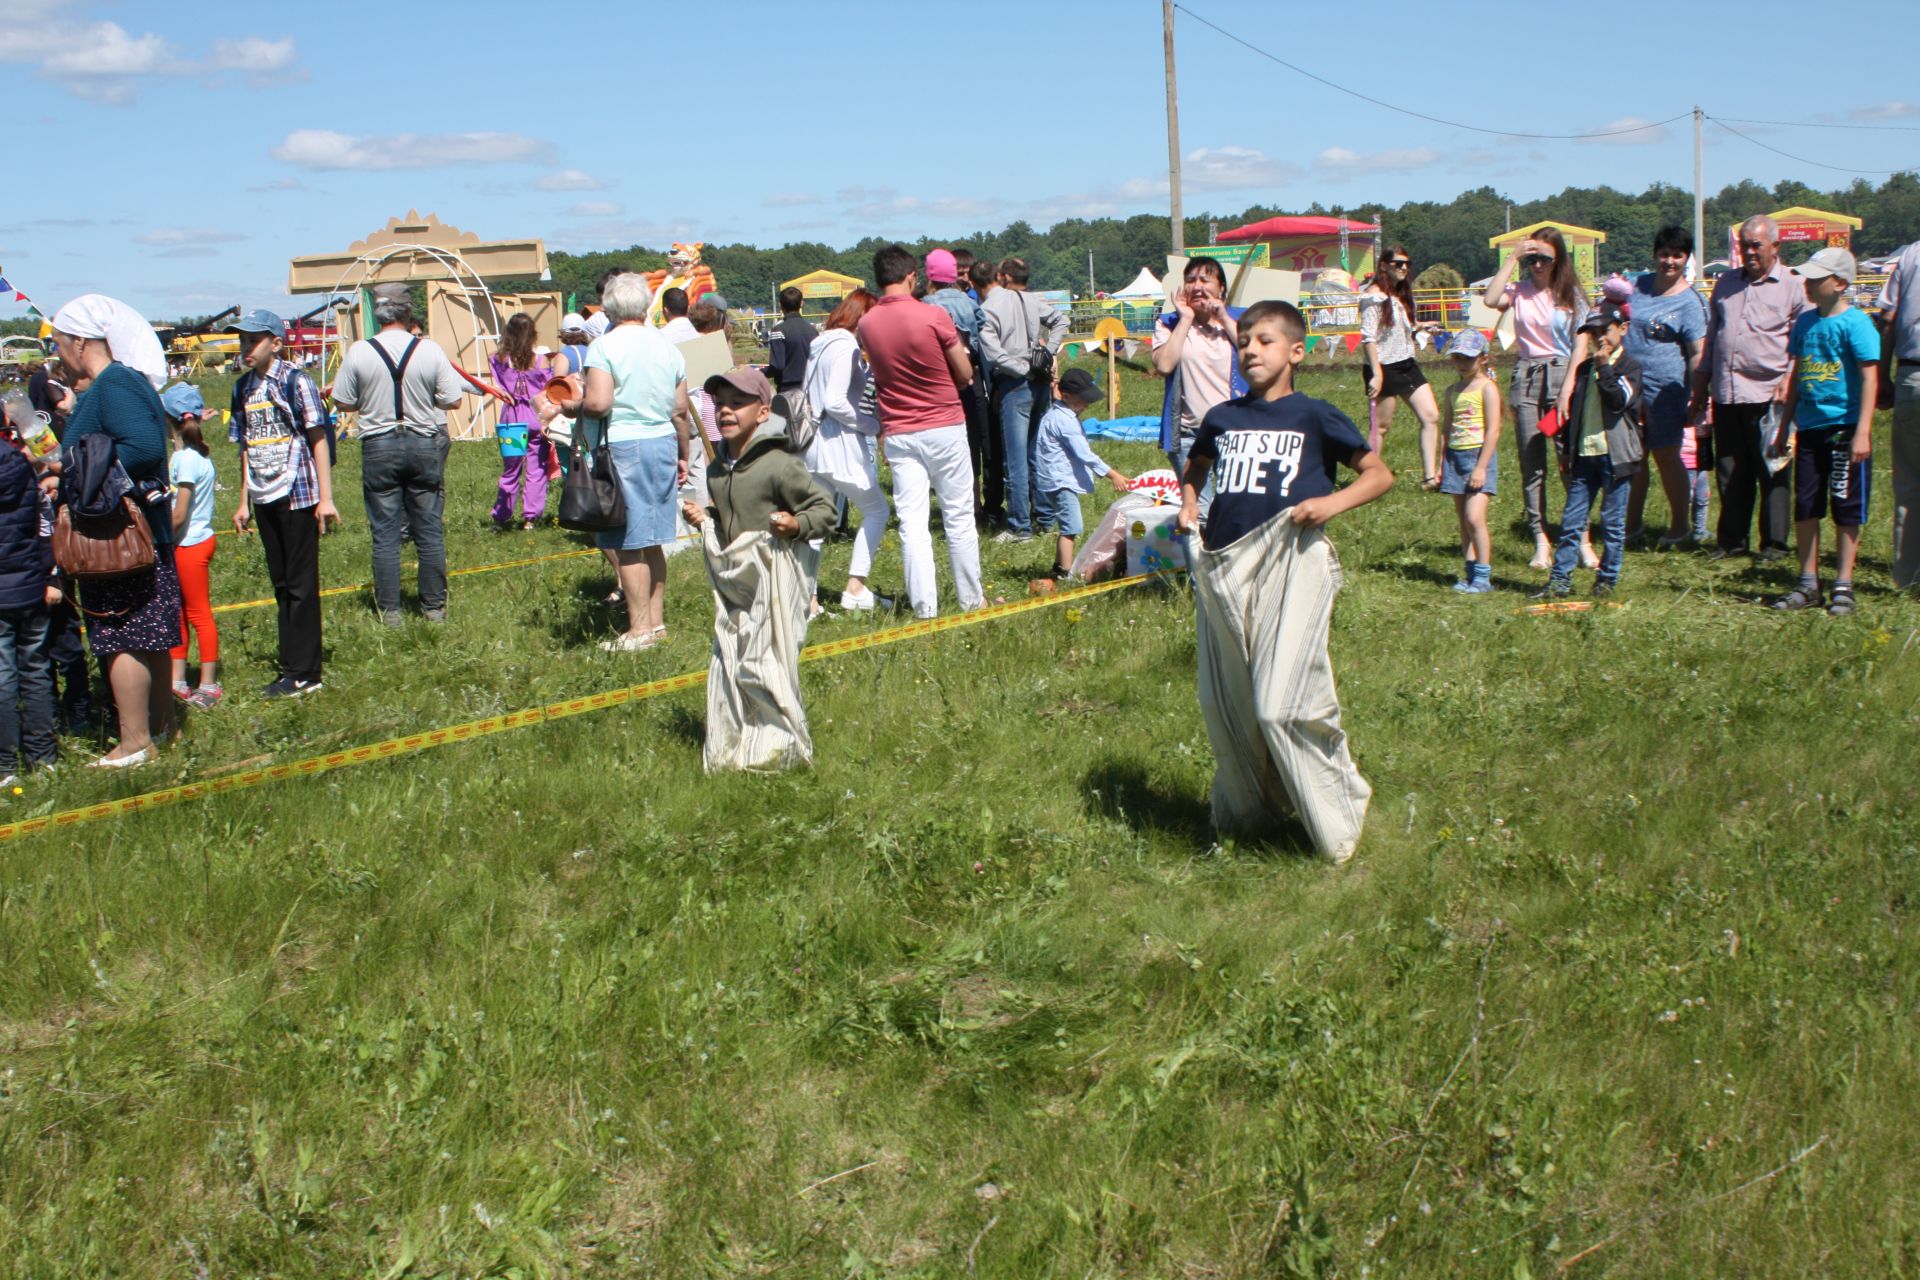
402 386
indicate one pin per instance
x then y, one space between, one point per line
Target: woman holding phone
1548 306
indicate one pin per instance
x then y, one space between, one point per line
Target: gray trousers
1906 475
1534 390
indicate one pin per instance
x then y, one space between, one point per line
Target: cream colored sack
1266 687
762 588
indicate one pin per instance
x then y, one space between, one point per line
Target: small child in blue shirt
1064 465
1830 395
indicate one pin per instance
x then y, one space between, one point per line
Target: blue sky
178 155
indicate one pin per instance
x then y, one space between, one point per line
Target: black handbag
591 500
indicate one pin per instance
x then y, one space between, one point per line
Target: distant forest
1453 234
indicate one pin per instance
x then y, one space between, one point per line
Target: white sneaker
628 642
862 603
1007 538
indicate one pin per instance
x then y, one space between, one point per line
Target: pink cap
941 268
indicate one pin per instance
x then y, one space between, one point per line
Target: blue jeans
1177 456
402 478
26 689
1587 478
1016 411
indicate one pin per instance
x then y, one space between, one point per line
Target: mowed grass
1621 982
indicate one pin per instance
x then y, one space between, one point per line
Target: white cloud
567 180
1205 169
1627 131
809 224
1887 111
166 237
1337 163
895 206
253 54
595 209
619 233
325 149
104 62
1233 169
790 199
864 195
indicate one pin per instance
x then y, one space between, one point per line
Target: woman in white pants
841 458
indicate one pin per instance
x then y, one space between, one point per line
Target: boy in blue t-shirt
1830 394
1264 583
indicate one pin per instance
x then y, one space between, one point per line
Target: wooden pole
1113 386
1173 134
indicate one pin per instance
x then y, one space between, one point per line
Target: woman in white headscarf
134 621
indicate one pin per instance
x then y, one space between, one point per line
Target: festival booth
1798 225
464 316
820 291
1582 242
1139 304
1308 244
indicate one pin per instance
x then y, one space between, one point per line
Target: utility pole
1173 134
1092 288
1699 198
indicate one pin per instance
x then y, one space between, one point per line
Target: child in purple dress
520 372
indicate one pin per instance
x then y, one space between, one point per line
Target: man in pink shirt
919 365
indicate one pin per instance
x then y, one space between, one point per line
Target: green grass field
1619 984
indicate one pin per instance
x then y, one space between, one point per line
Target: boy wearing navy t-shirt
1273 449
1830 395
1265 577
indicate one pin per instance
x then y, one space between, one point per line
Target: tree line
1453 234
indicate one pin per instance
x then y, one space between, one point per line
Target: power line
1818 164
1421 115
1822 124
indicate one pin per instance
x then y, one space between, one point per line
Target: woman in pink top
1548 305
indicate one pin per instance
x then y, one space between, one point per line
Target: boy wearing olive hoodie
764 510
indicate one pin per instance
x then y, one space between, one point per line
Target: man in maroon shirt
919 365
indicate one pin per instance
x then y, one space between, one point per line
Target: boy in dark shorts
1830 394
1264 579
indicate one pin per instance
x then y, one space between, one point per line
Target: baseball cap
1079 384
1603 318
1828 262
941 268
573 322
746 380
259 320
181 399
1468 342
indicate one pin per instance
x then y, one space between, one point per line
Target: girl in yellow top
1470 466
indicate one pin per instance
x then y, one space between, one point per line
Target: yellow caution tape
451 573
416 742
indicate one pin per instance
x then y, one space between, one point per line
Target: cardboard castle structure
462 314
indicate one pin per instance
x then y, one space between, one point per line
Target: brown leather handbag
95 548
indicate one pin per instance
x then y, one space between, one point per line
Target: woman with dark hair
522 374
133 621
1666 332
841 459
1195 350
1548 307
1386 335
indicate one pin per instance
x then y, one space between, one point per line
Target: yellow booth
820 291
1583 242
1800 225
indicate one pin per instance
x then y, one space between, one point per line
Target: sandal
1840 603
1796 600
1429 484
